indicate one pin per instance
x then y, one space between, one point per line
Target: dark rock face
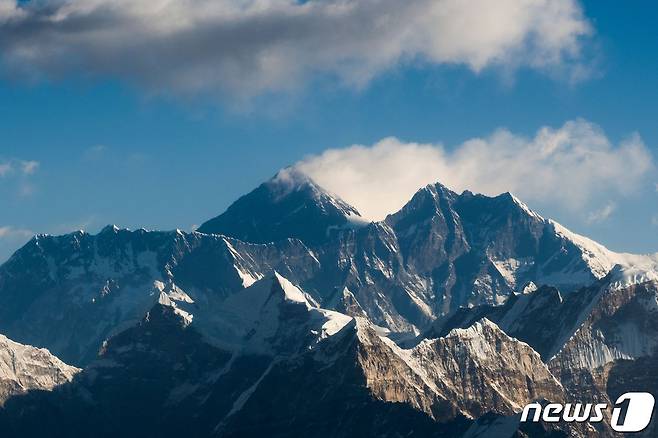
477 249
637 375
621 324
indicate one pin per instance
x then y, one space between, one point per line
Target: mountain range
292 315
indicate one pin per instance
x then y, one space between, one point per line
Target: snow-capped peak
290 205
291 292
290 179
628 268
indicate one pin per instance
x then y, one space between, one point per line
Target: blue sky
124 146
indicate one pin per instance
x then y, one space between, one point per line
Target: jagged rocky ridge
294 298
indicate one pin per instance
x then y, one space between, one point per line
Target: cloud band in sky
248 47
574 167
15 166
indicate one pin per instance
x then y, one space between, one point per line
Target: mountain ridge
506 307
440 252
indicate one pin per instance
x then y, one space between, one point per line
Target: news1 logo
631 413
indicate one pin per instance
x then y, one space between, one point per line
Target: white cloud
5 169
8 232
601 214
247 47
654 221
29 167
570 167
26 189
11 238
18 173
82 223
95 152
24 167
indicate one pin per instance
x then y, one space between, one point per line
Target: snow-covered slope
272 316
24 368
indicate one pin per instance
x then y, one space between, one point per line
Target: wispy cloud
29 167
5 169
248 47
18 167
17 174
95 152
11 238
601 214
26 189
83 223
569 167
7 232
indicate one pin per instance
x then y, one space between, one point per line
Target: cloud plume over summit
574 167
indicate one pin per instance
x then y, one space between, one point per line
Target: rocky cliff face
485 370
